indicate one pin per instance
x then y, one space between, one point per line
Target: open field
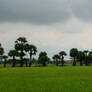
46 79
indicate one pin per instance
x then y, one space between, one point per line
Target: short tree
32 50
62 54
5 60
86 57
56 58
43 58
74 54
89 57
13 53
1 52
80 57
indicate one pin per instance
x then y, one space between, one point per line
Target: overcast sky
51 25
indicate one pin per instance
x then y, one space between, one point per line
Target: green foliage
56 57
5 60
74 52
1 50
74 55
32 49
80 55
86 52
42 54
20 47
21 40
43 58
5 57
90 57
13 53
62 53
1 53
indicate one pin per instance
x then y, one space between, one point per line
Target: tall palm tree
1 52
32 50
56 57
5 60
86 57
74 54
13 53
62 54
19 46
89 57
81 57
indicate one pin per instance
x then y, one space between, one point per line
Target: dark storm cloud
35 11
44 11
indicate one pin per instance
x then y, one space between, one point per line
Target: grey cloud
35 11
82 9
44 11
2 32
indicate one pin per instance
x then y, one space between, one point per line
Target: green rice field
46 79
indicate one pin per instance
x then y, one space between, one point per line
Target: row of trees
22 48
84 57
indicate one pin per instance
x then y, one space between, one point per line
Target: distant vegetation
23 48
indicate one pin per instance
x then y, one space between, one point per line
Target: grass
46 79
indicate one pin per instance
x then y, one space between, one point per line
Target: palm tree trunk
21 56
62 60
89 61
74 62
86 62
14 61
81 64
5 63
30 63
44 63
21 62
56 62
26 64
1 58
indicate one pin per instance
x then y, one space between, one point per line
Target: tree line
22 48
